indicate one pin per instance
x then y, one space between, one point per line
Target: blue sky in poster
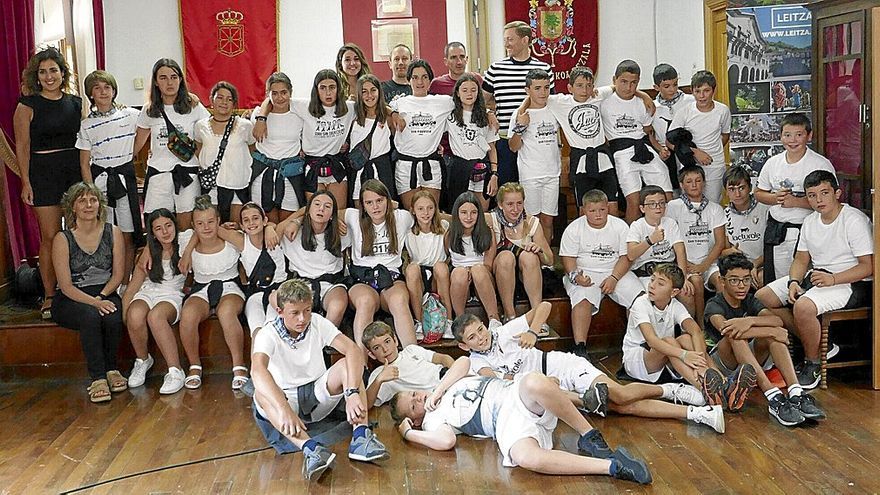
789 24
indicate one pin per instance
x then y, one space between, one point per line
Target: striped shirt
506 80
109 137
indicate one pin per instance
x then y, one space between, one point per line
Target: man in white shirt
837 240
294 387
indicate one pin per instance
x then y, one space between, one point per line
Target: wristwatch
648 240
350 391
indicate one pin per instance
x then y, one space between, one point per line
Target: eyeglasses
743 282
655 205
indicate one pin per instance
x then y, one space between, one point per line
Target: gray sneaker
784 412
593 444
595 400
367 448
315 462
630 468
810 375
806 404
139 371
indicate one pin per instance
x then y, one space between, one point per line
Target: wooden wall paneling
875 132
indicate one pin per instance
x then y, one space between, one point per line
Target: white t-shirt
109 138
381 245
425 119
697 230
747 230
539 156
251 253
380 143
325 135
836 246
235 168
624 118
304 362
464 399
580 122
284 135
660 252
706 128
505 356
416 372
313 264
426 248
663 321
469 141
161 157
596 250
777 171
663 114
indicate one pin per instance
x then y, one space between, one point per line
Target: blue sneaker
316 461
594 445
629 468
367 448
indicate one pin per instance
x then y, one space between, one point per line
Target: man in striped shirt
504 86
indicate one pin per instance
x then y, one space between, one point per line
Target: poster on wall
565 33
232 41
768 68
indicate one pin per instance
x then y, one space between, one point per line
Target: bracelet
793 281
683 355
833 281
520 128
532 332
572 276
489 110
615 277
648 240
407 431
100 297
260 118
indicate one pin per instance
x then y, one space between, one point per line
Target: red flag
230 40
565 33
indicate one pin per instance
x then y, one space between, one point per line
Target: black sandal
46 308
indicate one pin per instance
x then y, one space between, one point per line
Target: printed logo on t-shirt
698 233
422 124
513 369
584 120
661 250
603 252
626 123
329 129
546 133
381 244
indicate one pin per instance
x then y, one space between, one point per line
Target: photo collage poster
768 67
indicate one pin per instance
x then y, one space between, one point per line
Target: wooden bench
826 320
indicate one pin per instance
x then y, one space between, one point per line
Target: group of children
276 189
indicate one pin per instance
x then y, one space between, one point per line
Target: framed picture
393 8
390 32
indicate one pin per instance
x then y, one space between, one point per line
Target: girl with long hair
153 299
471 247
371 120
428 269
45 123
170 182
351 65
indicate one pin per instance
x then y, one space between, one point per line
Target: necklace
506 223
220 121
752 204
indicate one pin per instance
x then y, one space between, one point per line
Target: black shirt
55 122
718 305
391 90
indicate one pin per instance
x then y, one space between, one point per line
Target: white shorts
326 287
575 373
288 203
783 254
826 299
228 288
516 422
326 402
121 214
713 187
403 170
707 274
255 312
630 174
160 194
634 364
213 194
626 291
152 297
541 196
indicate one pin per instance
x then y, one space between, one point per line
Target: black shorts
52 174
605 182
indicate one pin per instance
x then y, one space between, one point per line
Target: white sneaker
712 416
139 371
419 334
493 323
682 393
173 381
447 332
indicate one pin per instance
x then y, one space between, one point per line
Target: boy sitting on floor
837 240
749 333
294 387
509 352
650 344
413 368
520 415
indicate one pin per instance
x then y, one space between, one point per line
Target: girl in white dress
471 247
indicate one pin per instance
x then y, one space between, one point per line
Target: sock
614 467
310 444
795 390
359 431
773 392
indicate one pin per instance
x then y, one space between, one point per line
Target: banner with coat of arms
565 33
230 40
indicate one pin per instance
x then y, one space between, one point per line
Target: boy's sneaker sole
741 384
712 387
317 473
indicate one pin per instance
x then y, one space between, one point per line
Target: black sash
272 182
224 200
181 176
646 270
335 166
774 235
591 160
460 173
683 141
332 278
215 290
378 277
427 175
116 190
642 153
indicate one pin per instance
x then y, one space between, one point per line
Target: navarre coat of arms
230 32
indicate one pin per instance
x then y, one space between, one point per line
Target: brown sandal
118 383
46 308
99 391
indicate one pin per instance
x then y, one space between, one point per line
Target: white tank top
170 281
470 256
251 254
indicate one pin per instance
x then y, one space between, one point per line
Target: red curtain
18 35
98 14
564 34
230 40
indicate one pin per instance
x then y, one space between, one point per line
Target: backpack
434 318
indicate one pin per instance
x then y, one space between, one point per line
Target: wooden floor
54 441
